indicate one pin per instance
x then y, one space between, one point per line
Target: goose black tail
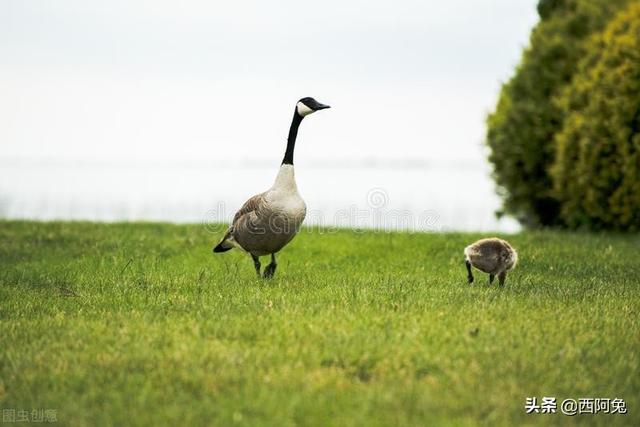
221 248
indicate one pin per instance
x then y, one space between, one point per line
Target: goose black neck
291 141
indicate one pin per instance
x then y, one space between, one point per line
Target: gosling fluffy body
492 256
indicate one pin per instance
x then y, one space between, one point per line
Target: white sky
212 79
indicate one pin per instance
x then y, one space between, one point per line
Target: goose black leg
271 268
469 274
491 277
256 264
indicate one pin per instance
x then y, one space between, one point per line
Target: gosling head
308 105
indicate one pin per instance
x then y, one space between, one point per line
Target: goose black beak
321 106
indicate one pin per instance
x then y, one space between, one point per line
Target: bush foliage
522 128
597 168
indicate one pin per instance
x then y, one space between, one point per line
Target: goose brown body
269 220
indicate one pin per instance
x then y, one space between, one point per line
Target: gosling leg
256 264
491 277
469 273
502 277
271 268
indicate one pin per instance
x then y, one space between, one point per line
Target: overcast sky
205 79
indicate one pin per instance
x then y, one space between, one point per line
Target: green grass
140 324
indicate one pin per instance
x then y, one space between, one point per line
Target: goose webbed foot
271 268
256 264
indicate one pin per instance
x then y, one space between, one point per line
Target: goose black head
308 105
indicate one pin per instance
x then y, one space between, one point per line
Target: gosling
493 256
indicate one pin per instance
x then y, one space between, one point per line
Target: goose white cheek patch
303 110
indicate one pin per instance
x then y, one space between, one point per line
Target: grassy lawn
140 324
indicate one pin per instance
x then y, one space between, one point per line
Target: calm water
402 195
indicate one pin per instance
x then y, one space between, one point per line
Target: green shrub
597 169
547 7
521 130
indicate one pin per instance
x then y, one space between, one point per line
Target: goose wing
248 208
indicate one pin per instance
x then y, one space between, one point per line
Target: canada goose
269 220
494 256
